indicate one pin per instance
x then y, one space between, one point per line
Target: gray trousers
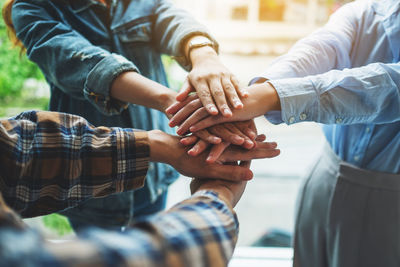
347 217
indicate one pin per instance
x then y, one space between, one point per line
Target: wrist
197 55
264 98
165 99
161 145
275 102
223 193
199 47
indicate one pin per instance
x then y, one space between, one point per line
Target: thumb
184 91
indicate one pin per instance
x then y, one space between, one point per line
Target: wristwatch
199 41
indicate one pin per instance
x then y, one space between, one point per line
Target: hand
230 192
8 218
237 133
216 150
213 82
167 149
190 115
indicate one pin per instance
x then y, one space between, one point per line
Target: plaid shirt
52 161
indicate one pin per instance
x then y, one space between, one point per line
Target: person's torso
372 146
124 28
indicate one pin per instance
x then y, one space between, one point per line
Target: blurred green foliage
58 224
15 68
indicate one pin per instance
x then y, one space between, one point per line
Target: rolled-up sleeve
68 60
55 161
174 26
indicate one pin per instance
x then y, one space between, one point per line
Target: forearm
325 49
67 58
136 89
369 94
172 236
62 153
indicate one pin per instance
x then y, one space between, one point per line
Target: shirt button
291 120
339 120
357 158
368 129
303 116
159 191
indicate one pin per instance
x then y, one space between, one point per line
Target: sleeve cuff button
303 116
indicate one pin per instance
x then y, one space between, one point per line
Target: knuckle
204 94
228 88
196 78
218 92
192 105
214 75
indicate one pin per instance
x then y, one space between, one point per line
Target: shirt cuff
99 80
214 196
299 101
131 159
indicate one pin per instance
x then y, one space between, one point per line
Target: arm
168 149
200 231
326 49
175 29
79 68
54 161
330 97
62 157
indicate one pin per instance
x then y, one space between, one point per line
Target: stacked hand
229 136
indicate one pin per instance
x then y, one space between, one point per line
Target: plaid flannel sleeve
200 231
52 161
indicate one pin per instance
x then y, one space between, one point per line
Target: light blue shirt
346 75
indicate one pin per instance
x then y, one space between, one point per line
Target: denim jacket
82 46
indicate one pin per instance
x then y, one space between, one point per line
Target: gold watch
197 42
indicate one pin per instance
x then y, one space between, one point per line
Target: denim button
339 120
303 116
291 120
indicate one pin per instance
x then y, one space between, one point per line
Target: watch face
201 41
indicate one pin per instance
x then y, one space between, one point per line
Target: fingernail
179 131
248 176
212 109
192 152
249 144
252 135
215 140
209 160
193 129
227 112
238 140
238 104
245 93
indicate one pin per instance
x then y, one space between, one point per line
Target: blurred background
251 34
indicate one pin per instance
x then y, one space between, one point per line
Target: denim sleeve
369 94
68 60
173 26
